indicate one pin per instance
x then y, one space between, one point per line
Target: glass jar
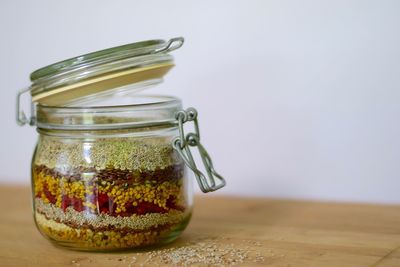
109 177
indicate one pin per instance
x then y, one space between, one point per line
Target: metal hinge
213 181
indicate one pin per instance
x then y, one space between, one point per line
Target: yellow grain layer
86 238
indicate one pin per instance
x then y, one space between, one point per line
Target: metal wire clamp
182 144
21 117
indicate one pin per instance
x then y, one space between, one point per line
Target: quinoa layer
85 220
122 153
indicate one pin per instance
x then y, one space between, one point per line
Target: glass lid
106 72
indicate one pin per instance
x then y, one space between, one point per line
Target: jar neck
167 130
147 112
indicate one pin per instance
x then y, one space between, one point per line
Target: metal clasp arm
21 118
182 145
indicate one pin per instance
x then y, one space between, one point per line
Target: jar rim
155 110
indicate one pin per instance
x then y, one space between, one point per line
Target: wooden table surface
283 233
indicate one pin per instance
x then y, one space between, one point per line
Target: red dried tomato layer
106 205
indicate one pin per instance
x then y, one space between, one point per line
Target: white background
297 99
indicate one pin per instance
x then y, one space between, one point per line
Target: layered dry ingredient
109 193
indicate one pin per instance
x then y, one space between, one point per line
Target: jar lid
125 68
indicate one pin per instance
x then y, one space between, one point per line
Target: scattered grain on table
208 252
202 251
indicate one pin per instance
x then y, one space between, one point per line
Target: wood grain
288 233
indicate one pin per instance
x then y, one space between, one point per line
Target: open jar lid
103 73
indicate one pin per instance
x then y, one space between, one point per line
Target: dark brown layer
117 176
